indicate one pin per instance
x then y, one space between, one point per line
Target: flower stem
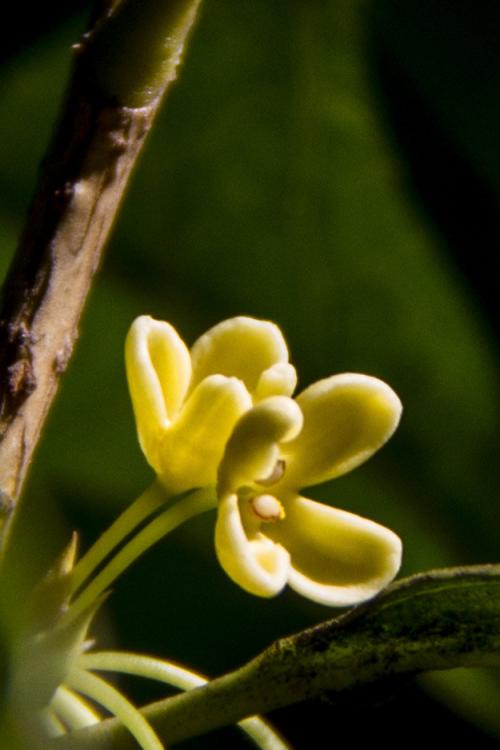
189 506
53 724
113 701
145 505
73 710
142 666
161 670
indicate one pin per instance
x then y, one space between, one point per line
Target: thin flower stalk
74 711
151 500
113 701
52 723
258 729
189 506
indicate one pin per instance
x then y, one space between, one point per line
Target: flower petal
190 451
256 564
241 347
252 450
337 558
158 372
346 419
278 380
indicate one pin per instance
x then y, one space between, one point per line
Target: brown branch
82 182
442 619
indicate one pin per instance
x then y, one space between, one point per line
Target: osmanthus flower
267 534
186 403
223 413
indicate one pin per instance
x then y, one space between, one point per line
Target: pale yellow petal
158 372
189 453
252 451
256 564
241 347
278 380
337 558
346 419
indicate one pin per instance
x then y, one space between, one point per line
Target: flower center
267 508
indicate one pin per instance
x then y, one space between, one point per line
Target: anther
267 508
275 475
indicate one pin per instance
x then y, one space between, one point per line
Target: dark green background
333 165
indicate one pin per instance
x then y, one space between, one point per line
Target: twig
439 620
124 64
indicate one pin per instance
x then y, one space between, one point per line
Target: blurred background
333 165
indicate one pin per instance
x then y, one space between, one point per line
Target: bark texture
82 182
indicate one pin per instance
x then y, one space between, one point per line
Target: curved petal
158 373
278 380
252 450
240 347
256 564
346 419
337 558
189 453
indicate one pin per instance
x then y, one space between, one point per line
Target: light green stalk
187 507
262 733
145 505
112 700
75 712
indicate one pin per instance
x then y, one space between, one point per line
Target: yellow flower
222 414
187 403
267 535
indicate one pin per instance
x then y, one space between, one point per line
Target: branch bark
438 620
112 101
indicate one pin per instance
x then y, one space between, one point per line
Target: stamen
275 475
267 508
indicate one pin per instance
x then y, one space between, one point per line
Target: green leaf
438 620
